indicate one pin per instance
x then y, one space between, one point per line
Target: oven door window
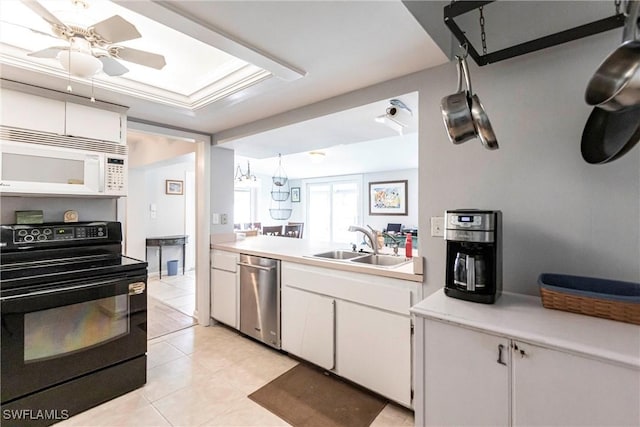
65 330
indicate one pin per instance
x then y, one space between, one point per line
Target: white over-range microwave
38 163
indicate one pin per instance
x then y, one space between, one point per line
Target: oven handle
134 289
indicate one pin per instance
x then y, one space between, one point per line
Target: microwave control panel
115 175
33 234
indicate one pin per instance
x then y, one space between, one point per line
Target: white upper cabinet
26 111
88 122
38 113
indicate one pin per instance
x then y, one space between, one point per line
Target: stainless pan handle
259 267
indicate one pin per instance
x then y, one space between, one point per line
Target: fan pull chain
69 88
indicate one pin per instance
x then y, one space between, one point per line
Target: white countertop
300 251
523 318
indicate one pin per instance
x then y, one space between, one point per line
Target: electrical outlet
223 218
437 226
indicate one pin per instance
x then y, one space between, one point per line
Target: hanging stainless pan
456 113
616 83
608 135
479 115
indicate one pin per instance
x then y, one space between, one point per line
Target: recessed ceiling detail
196 73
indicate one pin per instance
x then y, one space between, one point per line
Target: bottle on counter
408 246
380 239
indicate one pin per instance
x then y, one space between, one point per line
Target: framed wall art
388 198
174 187
295 194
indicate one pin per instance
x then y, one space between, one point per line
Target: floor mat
162 319
305 396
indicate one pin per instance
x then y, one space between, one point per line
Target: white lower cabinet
470 377
224 297
552 387
464 384
308 326
374 349
225 288
353 324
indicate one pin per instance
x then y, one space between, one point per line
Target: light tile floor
201 376
177 291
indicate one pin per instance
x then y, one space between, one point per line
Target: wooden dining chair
275 230
301 227
293 231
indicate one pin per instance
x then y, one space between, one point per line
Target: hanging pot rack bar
458 8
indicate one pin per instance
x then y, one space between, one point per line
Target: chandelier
244 177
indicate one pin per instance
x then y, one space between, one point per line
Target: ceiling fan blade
141 57
116 29
43 12
50 52
112 67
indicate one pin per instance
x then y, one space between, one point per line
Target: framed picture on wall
174 187
295 194
388 198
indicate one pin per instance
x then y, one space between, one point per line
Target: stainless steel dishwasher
260 298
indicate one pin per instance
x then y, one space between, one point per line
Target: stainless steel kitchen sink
382 260
339 255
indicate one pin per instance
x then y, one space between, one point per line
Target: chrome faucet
372 238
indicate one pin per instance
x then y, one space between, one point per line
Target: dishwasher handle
259 267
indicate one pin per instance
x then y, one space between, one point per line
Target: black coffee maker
474 255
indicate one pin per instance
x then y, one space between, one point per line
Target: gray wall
560 213
89 209
222 162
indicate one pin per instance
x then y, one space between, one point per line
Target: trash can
172 267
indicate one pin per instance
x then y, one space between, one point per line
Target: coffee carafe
470 271
474 255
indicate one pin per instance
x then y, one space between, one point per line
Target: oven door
54 334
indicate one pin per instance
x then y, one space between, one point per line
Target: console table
167 241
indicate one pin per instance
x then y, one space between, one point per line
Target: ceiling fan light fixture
79 64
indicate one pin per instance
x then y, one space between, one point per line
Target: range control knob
28 238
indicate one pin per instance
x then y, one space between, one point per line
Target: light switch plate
215 219
437 226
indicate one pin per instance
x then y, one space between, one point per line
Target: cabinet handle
500 348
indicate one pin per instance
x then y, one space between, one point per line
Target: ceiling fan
92 49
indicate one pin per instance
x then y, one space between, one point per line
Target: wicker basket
594 297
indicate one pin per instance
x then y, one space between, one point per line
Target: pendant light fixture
280 204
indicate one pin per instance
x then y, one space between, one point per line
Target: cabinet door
224 297
463 383
373 349
551 387
31 112
308 326
93 123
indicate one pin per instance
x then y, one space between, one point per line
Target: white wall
169 218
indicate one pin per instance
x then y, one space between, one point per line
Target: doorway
163 201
